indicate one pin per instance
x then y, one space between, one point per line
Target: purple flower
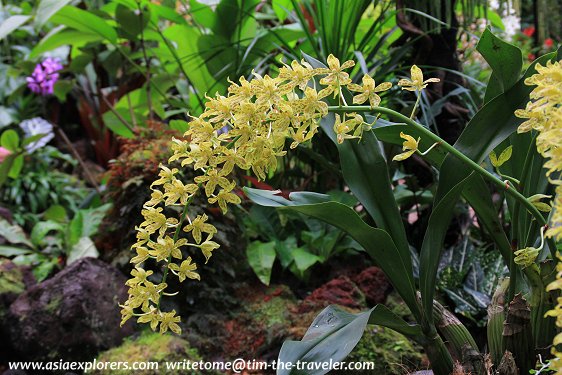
44 76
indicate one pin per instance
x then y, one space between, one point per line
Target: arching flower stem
448 147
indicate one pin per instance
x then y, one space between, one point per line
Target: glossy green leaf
76 229
5 167
13 233
60 37
55 213
432 244
505 60
85 21
42 228
324 340
365 170
85 247
46 9
261 256
10 140
10 251
16 167
376 242
131 22
12 23
282 8
179 125
488 128
303 259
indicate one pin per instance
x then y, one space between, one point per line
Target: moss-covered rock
14 280
389 351
11 278
151 347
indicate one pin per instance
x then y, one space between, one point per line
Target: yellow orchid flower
417 83
368 91
410 146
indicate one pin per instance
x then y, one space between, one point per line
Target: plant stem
466 160
416 105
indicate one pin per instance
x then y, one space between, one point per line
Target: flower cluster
544 115
45 75
247 129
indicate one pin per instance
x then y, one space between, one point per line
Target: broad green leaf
282 8
83 20
62 36
261 256
10 140
169 14
75 229
55 213
46 9
493 158
116 125
85 223
130 21
179 125
376 242
42 228
17 166
284 250
202 14
44 268
84 248
62 88
505 156
10 251
14 234
6 166
303 259
505 60
333 335
12 23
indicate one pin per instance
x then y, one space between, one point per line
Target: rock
151 347
71 316
340 291
14 280
374 284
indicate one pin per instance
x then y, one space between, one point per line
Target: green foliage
459 175
297 242
53 239
41 184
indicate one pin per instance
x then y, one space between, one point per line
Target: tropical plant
261 113
281 236
53 242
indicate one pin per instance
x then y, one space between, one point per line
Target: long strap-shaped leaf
490 126
365 171
322 343
376 242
